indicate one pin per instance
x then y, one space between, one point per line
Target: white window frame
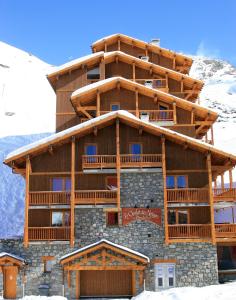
162 271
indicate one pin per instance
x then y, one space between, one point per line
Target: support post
118 161
192 116
212 135
167 83
133 68
105 47
136 104
182 85
26 225
163 146
102 69
72 197
77 284
98 103
230 179
222 181
133 282
174 113
211 200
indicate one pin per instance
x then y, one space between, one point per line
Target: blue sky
57 31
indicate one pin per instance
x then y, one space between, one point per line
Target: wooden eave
180 58
76 255
6 259
65 136
90 93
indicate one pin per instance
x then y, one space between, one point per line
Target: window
115 106
164 276
178 216
60 218
163 113
93 74
135 148
112 218
111 183
176 181
61 184
91 149
47 263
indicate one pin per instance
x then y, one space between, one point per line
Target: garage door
105 283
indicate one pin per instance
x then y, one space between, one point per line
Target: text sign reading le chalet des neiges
145 214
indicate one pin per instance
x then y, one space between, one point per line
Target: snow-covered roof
108 243
74 63
39 145
3 254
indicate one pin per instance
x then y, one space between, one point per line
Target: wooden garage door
105 283
9 278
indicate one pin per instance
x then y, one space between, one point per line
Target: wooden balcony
225 230
189 231
49 198
156 115
49 233
126 161
225 194
95 197
190 195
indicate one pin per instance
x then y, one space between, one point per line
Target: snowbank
43 298
212 292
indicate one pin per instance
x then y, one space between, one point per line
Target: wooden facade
83 160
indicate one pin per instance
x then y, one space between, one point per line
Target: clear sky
59 30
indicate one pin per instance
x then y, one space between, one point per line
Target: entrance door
9 281
105 283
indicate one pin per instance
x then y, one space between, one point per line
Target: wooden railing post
72 197
26 225
174 112
118 161
211 200
102 69
165 191
98 103
136 104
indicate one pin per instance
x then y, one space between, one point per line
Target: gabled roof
111 56
86 93
104 242
42 145
11 257
180 58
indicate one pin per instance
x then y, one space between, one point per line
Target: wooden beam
68 279
211 200
77 284
133 282
118 161
212 135
98 268
222 181
175 114
133 67
193 116
182 85
80 108
72 204
118 44
27 189
136 104
98 103
105 47
165 191
230 179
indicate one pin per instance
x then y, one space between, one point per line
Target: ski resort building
121 197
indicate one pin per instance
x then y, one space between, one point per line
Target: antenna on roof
156 42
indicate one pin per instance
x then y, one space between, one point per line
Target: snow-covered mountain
27 113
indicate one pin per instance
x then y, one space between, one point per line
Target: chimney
155 42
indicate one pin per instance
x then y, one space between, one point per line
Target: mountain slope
25 92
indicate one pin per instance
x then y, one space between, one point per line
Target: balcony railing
189 231
156 115
49 233
49 198
190 195
225 194
95 197
160 84
126 161
225 230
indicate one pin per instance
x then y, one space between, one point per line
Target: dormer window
93 74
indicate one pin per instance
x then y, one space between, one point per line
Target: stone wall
196 262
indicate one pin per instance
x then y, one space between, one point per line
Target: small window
60 184
181 181
176 181
135 148
183 217
171 217
57 218
91 149
170 182
115 107
112 218
178 216
47 263
93 74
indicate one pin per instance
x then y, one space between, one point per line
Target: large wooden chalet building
121 197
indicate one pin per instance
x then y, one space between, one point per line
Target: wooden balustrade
189 231
126 161
225 230
160 83
96 197
157 115
49 233
49 198
190 195
225 194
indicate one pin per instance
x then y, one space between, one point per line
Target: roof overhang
19 156
99 45
6 258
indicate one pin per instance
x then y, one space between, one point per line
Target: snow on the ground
27 101
43 298
212 292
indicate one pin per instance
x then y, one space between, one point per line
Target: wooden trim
77 285
230 179
72 213
175 114
98 104
136 104
27 189
160 261
118 161
165 190
99 268
192 116
186 171
133 282
133 69
47 258
222 180
211 199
